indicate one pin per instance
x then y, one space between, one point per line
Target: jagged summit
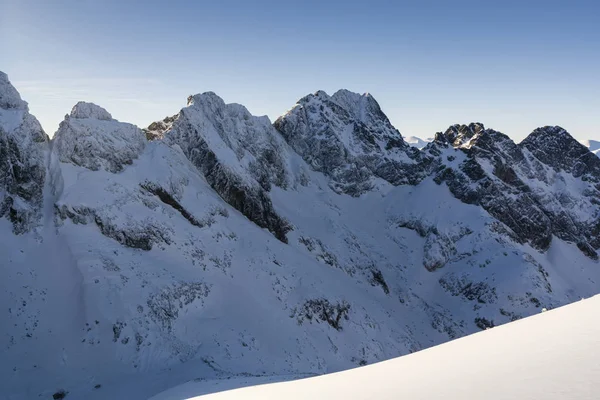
90 138
201 99
240 155
554 146
84 110
347 137
9 96
363 107
210 102
458 135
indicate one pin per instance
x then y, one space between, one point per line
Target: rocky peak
459 135
319 95
206 99
362 107
83 110
22 162
90 138
555 147
9 96
348 137
240 155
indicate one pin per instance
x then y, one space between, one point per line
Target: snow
11 119
84 110
9 96
141 277
551 356
417 142
89 137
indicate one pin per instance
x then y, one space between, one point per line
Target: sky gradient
513 65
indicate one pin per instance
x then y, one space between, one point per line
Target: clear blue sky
513 65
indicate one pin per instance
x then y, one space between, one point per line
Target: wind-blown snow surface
552 356
218 251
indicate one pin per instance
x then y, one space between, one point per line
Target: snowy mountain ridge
417 142
216 244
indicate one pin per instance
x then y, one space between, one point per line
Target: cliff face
348 138
544 187
23 147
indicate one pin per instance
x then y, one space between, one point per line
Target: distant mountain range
417 142
214 243
593 145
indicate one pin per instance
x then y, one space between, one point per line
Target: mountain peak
458 135
9 96
84 110
89 137
549 138
319 95
554 146
549 130
206 98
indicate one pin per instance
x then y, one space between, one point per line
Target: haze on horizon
430 64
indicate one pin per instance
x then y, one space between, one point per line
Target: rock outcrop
537 188
89 137
23 144
240 155
347 137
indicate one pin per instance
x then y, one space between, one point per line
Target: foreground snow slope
551 356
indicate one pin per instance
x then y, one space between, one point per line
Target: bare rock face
23 143
240 155
347 137
90 138
538 188
555 147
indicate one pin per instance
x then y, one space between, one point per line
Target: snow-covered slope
552 356
224 248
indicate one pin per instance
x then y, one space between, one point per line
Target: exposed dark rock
208 120
322 310
22 162
378 280
483 323
348 137
462 286
514 186
135 235
166 198
165 305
